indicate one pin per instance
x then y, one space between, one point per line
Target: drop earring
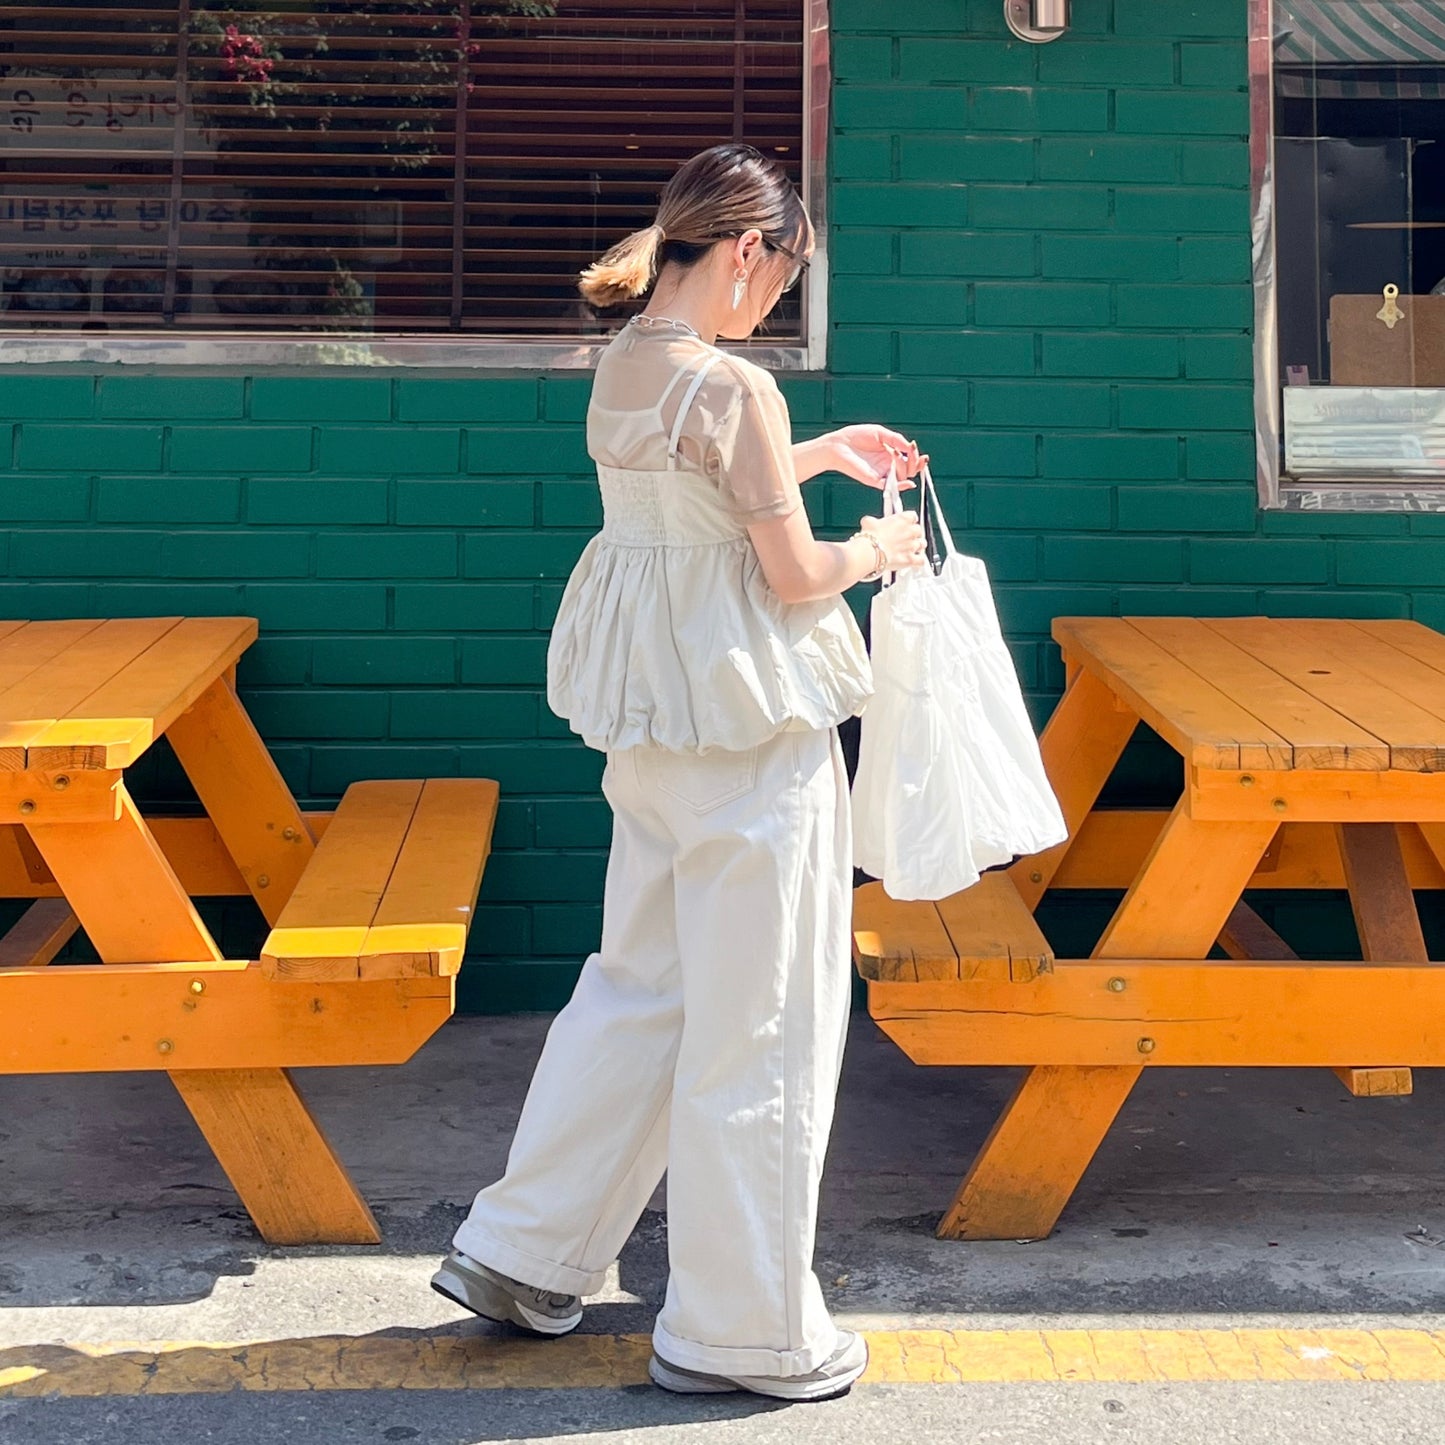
740 285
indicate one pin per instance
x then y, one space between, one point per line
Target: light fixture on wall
1037 20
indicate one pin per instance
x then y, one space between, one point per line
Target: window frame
1276 491
244 352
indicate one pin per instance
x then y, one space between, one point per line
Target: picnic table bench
369 908
1313 757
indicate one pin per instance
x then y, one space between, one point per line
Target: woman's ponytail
626 271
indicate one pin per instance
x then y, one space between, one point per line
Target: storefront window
1351 252
378 169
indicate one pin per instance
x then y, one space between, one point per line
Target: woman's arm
865 452
800 568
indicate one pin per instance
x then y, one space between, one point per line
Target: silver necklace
649 321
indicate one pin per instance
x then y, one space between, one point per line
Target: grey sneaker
496 1297
835 1376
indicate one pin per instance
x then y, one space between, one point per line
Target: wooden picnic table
369 909
1313 756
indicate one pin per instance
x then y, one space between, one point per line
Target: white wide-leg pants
704 1039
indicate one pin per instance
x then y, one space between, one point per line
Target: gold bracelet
878 553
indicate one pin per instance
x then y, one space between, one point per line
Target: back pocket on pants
703 782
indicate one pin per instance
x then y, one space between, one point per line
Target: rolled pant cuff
734 1360
526 1268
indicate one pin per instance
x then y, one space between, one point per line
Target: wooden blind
378 166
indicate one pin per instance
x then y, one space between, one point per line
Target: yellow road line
472 1362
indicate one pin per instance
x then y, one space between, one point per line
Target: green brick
1114 457
294 501
1132 559
863 158
564 398
545 878
458 713
46 602
1203 408
1187 602
317 606
170 397
922 205
1220 458
236 554
1040 207
571 504
367 450
1073 110
851 348
573 824
1315 602
1182 307
1182 209
1215 258
912 401
514 823
1045 304
882 107
1124 258
805 395
920 17
966 62
275 660
1181 112
564 928
1035 508
322 399
496 660
958 253
862 252
1214 163
1103 62
391 661
1188 509
328 713
472 400
386 554
937 303
167 499
500 930
857 57
244 449
464 607
1398 564
530 452
335 768
1054 404
45 498
984 454
1023 610
465 502
1214 66
967 353
1104 158
1337 524
164 599
1008 559
1180 18
1112 356
88 553
535 555
536 767
81 447
1428 607
1258 561
48 398
965 158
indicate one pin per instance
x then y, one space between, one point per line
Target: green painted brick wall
1040 266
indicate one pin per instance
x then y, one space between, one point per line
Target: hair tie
661 234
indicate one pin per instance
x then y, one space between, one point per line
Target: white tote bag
949 778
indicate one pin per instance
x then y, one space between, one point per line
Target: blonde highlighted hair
719 193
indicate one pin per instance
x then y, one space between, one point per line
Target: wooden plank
1420 642
26 649
1380 893
891 939
427 908
76 1018
48 693
243 792
117 722
1318 735
1415 738
1207 726
28 798
1394 668
994 933
1190 1013
1081 745
325 921
39 934
1341 796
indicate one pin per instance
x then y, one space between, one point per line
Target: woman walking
703 644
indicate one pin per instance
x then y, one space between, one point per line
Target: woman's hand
866 452
901 537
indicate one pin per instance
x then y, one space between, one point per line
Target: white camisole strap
687 400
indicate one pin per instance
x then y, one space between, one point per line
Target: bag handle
933 513
935 526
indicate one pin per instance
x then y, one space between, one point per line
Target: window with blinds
384 167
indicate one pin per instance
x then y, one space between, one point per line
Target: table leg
244 794
134 910
1081 746
1050 1130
